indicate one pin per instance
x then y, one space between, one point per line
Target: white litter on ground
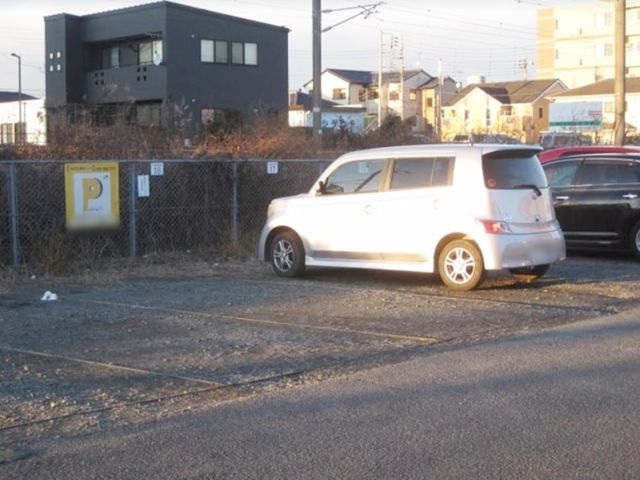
49 296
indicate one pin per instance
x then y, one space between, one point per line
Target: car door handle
368 209
561 198
630 196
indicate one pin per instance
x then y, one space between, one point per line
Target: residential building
164 64
576 43
433 94
334 116
518 109
34 126
401 92
591 109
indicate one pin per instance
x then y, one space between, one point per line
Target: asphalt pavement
560 403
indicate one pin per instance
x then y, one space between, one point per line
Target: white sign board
272 168
575 116
143 185
157 168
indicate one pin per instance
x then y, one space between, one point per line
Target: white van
458 210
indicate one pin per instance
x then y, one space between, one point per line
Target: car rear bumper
526 250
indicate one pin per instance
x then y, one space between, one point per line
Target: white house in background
334 116
34 124
361 88
598 115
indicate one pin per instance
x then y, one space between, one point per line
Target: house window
214 51
244 53
206 51
237 53
221 51
145 54
50 55
604 50
372 93
114 57
412 95
59 67
156 54
339 94
251 54
362 95
488 117
430 102
506 110
212 115
394 95
58 54
540 112
603 19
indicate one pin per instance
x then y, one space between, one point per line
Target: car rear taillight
495 226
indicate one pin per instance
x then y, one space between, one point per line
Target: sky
491 38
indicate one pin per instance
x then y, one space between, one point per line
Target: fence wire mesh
192 205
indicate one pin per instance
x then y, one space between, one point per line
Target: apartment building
576 43
166 64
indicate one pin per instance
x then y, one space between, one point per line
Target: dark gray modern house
166 64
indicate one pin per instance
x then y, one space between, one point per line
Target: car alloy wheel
287 255
460 265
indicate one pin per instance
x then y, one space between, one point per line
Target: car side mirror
322 188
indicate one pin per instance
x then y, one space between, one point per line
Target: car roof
628 156
408 150
554 153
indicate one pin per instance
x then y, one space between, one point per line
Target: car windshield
513 170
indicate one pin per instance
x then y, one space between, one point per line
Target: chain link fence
193 204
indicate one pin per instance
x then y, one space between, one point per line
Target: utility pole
380 81
19 129
402 79
364 11
439 102
620 67
317 74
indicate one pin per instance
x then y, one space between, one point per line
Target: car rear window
512 170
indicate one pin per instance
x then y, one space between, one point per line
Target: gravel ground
163 339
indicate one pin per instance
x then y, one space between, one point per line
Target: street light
19 131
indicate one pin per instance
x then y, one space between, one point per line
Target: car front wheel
460 265
287 255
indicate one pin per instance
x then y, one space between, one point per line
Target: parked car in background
563 139
554 153
597 200
459 210
487 138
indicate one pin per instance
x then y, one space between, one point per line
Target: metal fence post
234 203
12 190
132 210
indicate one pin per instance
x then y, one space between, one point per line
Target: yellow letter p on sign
92 195
91 190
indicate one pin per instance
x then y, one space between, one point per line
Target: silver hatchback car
458 210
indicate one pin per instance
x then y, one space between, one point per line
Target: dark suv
597 200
